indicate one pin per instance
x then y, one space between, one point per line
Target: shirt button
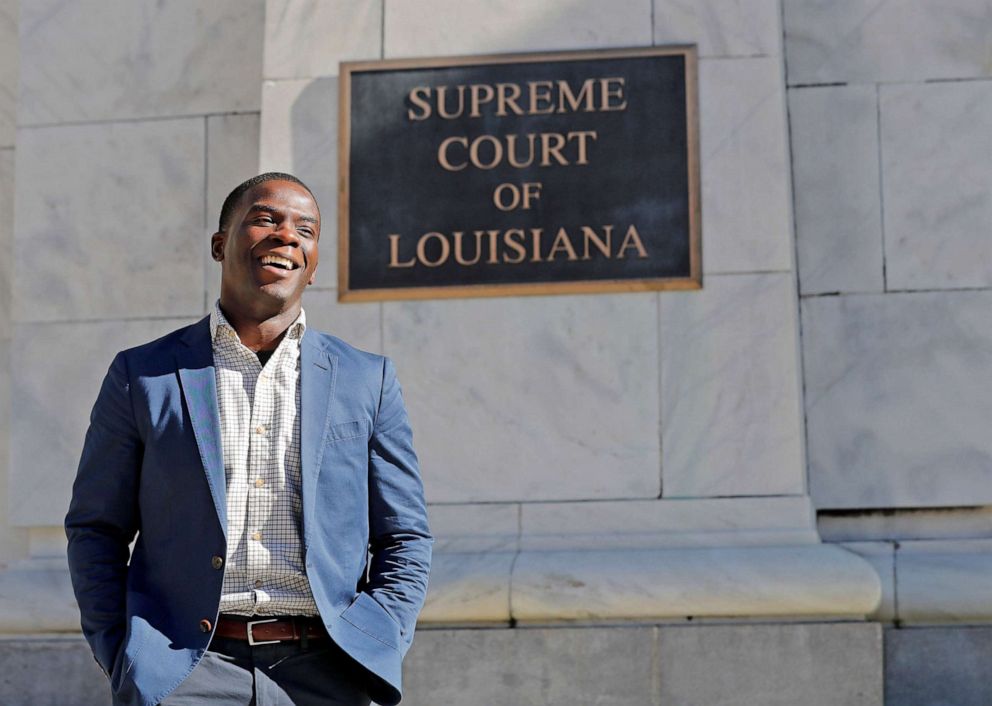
217 562
259 429
205 625
257 536
259 482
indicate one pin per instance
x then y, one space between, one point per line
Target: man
268 473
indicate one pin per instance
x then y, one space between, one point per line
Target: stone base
50 671
819 664
938 665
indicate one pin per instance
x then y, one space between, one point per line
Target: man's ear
217 245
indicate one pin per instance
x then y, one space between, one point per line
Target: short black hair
232 198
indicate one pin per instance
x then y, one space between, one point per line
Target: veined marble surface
13 540
114 59
744 164
944 582
447 27
59 371
835 169
469 588
720 27
549 398
307 38
109 221
817 580
232 157
937 177
622 524
299 135
857 41
897 399
730 394
652 524
9 66
475 528
358 324
6 240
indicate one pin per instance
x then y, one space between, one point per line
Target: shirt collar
220 326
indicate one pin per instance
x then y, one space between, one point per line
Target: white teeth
277 260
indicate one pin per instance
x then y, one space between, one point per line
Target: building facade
772 490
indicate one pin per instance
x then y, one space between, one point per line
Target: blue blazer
152 466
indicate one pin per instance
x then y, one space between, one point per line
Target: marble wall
13 540
125 152
889 108
619 397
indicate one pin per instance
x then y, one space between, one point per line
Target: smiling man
266 475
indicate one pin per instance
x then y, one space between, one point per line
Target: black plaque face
530 174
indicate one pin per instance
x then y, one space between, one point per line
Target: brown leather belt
263 631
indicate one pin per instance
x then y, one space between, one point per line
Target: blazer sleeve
103 518
400 538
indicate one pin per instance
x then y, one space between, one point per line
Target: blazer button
217 562
205 625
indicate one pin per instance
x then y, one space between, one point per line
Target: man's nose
286 232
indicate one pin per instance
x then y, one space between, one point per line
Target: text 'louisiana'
514 246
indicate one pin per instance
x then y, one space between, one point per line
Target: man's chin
273 298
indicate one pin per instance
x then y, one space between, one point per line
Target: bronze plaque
519 174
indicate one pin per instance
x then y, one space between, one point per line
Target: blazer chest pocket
345 431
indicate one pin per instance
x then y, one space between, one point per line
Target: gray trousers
233 673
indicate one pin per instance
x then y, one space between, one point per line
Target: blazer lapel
195 362
318 373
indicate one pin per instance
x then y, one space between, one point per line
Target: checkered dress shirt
260 433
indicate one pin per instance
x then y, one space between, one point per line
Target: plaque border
653 284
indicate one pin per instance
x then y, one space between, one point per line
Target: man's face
268 253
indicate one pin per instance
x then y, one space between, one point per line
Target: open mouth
282 263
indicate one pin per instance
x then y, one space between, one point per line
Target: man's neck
260 334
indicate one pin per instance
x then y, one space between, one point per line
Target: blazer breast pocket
352 431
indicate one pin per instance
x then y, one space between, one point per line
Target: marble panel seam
382 29
925 290
800 348
827 84
922 290
881 186
658 363
148 119
737 273
573 501
896 615
511 590
194 316
876 82
654 25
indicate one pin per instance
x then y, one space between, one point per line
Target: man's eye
306 232
263 220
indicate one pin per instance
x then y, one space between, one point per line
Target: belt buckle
251 638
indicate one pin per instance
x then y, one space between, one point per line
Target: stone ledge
574 586
36 597
944 582
652 584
